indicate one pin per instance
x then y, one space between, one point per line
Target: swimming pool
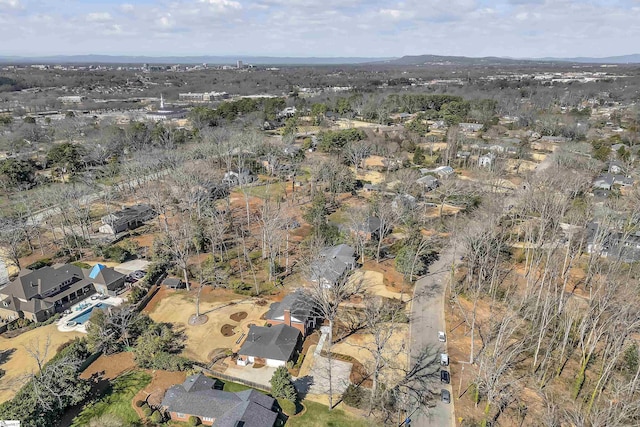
85 315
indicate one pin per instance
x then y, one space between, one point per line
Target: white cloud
10 4
99 17
223 4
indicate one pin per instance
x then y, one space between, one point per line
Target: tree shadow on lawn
100 387
6 355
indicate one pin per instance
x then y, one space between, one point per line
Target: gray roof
299 304
275 342
332 263
41 288
369 225
129 215
604 181
197 396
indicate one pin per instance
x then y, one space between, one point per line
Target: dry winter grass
19 363
176 307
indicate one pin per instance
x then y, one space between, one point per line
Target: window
208 419
179 415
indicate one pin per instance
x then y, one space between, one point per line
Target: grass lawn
117 400
269 190
318 415
234 387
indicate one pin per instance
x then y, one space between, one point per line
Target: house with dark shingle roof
126 219
332 265
272 346
198 397
39 294
369 228
297 310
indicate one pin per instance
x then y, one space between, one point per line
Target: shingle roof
332 262
197 396
276 342
298 303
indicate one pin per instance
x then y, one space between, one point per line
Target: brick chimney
287 317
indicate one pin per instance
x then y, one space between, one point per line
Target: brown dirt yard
356 346
19 363
373 282
176 306
110 367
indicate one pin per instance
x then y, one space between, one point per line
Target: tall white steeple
161 102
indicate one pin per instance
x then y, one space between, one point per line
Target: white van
444 359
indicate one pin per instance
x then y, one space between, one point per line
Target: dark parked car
445 396
444 377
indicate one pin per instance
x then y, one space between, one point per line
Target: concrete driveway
131 266
427 314
249 373
319 376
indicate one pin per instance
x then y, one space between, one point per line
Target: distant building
126 219
239 64
164 113
486 160
471 127
71 99
428 182
202 96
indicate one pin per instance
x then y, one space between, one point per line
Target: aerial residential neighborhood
410 214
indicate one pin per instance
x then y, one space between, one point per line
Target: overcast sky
372 28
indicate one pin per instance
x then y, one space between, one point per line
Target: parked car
444 359
442 337
445 396
103 297
444 377
138 274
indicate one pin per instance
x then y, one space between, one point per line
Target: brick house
297 310
199 397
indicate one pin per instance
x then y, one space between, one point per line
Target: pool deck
62 322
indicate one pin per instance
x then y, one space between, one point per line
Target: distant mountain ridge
494 60
267 60
622 59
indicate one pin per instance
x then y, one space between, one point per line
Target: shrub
156 417
136 295
287 406
44 262
81 264
116 253
154 272
146 410
140 403
194 421
354 396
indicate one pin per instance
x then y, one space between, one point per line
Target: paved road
427 311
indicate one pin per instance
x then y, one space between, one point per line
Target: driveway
318 382
427 314
249 373
131 266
